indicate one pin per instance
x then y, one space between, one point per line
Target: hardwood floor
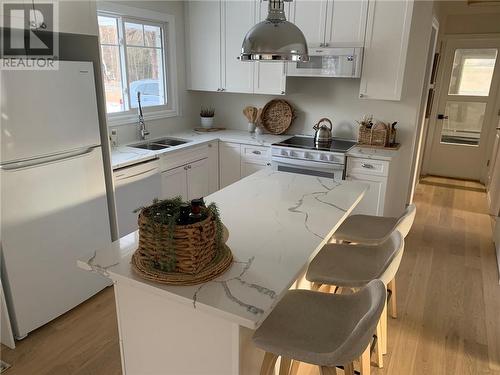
448 302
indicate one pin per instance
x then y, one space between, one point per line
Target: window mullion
124 64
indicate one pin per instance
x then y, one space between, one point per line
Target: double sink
159 144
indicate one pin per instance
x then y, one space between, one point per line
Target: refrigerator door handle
47 159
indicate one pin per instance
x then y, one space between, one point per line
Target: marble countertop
277 223
372 153
125 155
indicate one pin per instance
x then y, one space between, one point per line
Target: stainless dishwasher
135 186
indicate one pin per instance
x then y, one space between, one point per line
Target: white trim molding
170 58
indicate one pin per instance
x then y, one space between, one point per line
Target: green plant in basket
163 216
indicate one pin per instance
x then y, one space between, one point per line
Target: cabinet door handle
367 166
268 164
256 152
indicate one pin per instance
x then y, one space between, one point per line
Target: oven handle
318 165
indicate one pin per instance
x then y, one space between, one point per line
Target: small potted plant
207 115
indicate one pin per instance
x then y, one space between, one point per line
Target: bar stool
354 266
322 329
373 230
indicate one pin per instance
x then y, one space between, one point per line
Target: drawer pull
256 152
367 166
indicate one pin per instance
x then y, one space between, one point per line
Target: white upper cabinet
331 23
310 18
386 45
215 31
203 30
239 17
348 23
269 78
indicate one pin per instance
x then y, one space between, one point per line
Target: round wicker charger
216 267
277 116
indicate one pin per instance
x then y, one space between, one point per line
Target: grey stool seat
373 230
322 329
354 266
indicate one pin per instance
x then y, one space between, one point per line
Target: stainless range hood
274 39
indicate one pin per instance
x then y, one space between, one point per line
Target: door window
470 84
472 71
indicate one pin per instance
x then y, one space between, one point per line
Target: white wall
128 133
339 100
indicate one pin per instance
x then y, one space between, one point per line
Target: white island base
161 336
277 223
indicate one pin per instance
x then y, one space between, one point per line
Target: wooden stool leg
383 320
295 368
349 369
323 370
285 366
268 364
394 309
365 362
379 350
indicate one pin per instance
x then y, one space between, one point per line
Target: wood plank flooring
448 301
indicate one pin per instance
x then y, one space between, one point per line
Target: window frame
167 23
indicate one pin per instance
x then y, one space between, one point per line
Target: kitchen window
135 59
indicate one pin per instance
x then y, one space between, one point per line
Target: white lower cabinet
241 160
249 167
190 173
197 179
253 159
229 163
188 181
375 174
374 199
174 183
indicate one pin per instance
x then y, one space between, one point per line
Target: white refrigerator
53 196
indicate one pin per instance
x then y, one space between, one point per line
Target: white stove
300 154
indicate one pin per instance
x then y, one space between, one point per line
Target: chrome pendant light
274 39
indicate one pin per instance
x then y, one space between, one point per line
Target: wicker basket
377 137
277 116
193 246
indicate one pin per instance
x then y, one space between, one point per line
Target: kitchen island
277 222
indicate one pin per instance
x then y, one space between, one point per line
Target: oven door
312 168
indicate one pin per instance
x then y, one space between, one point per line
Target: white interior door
466 108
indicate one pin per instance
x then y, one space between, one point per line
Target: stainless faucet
142 126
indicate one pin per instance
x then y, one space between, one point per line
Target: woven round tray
219 264
277 116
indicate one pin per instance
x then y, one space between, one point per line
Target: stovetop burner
336 145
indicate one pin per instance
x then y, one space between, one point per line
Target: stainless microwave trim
352 59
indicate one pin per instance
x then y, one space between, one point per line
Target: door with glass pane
466 111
